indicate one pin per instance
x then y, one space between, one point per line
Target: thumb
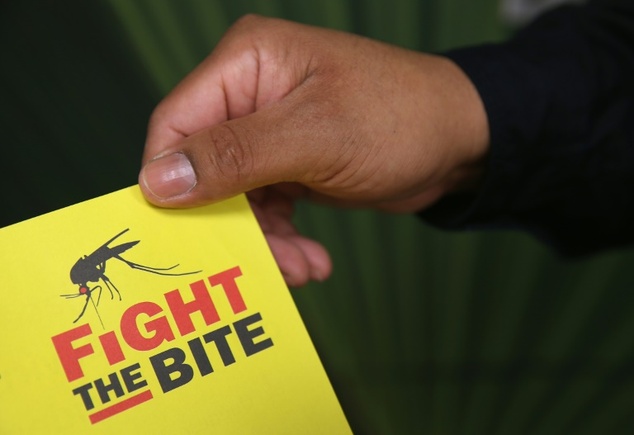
230 158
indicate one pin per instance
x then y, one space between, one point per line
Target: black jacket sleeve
560 103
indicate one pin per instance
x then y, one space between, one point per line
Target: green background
421 331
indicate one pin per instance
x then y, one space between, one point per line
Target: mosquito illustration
92 268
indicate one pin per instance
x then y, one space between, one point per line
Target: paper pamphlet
118 317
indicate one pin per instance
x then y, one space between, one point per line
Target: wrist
468 130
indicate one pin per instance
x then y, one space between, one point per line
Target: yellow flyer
118 317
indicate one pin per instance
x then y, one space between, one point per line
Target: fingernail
169 176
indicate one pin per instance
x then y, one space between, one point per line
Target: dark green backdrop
421 331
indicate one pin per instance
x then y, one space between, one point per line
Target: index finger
245 71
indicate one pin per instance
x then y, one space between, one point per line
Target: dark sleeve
560 103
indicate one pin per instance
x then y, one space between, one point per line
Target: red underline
120 407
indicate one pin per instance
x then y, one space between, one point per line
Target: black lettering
164 370
104 390
200 356
219 336
130 377
247 336
84 393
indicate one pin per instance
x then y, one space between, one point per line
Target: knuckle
257 25
248 20
248 23
158 116
231 155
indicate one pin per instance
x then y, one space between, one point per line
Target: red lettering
68 355
182 311
112 348
159 328
227 280
152 332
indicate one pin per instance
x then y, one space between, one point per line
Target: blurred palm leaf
421 331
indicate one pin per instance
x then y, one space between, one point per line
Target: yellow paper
119 317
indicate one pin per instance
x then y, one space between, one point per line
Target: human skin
285 111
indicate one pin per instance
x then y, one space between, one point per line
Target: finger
276 144
235 80
319 261
274 213
201 100
290 259
275 218
300 259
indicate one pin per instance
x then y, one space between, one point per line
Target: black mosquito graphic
92 268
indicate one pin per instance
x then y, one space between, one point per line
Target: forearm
559 100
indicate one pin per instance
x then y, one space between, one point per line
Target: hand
286 111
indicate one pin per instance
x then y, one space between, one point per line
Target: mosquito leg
71 296
155 270
145 268
83 310
95 307
105 280
109 283
100 289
